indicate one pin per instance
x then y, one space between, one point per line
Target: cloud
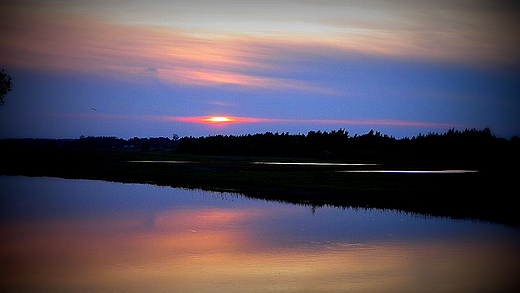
212 120
208 55
150 71
240 120
62 42
369 122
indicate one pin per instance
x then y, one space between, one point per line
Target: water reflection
413 171
170 240
268 163
165 162
312 164
333 164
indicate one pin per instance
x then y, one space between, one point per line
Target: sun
222 120
217 119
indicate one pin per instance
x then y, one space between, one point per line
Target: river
61 235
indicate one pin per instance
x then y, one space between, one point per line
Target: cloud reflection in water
252 246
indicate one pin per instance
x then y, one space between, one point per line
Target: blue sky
134 68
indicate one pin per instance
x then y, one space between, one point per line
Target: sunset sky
159 67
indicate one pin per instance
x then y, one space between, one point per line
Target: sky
156 68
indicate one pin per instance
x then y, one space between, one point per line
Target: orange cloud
224 120
45 39
219 119
234 47
231 119
384 122
48 40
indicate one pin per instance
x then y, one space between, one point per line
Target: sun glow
217 119
234 119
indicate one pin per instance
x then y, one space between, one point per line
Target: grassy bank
486 195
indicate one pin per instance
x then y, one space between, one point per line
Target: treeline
453 145
94 142
339 144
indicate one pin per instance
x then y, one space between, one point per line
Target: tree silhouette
5 86
453 146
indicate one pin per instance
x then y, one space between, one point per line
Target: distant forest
338 144
467 145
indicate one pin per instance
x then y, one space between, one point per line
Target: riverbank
485 195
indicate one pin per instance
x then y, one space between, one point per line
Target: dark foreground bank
489 194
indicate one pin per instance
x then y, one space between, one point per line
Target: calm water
63 235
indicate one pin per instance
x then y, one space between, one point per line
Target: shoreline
485 195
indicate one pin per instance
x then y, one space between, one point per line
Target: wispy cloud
369 122
58 42
228 48
212 120
239 120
